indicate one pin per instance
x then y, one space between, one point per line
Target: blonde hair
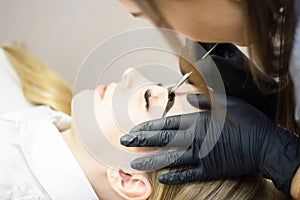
252 187
42 86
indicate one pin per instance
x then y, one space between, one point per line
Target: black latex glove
238 81
249 143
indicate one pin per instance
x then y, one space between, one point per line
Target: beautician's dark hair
271 27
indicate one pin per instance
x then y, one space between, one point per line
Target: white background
62 32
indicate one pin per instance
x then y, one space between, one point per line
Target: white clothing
35 162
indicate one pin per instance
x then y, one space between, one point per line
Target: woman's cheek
108 125
156 111
137 115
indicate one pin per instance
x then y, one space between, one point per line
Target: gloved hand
233 66
249 143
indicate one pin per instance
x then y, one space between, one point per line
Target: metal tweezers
171 90
171 94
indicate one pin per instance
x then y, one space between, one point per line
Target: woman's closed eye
147 95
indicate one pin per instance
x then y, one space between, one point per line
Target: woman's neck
93 170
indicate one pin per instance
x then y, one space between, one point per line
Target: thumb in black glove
234 68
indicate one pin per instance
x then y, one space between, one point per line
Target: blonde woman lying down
42 157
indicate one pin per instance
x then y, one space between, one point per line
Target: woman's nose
128 77
133 78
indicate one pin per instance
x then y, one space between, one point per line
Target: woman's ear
134 186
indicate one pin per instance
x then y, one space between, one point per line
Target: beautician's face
134 100
202 20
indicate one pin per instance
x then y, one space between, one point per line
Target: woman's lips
101 90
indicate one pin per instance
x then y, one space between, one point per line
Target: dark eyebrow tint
171 100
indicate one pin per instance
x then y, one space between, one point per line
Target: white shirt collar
46 153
